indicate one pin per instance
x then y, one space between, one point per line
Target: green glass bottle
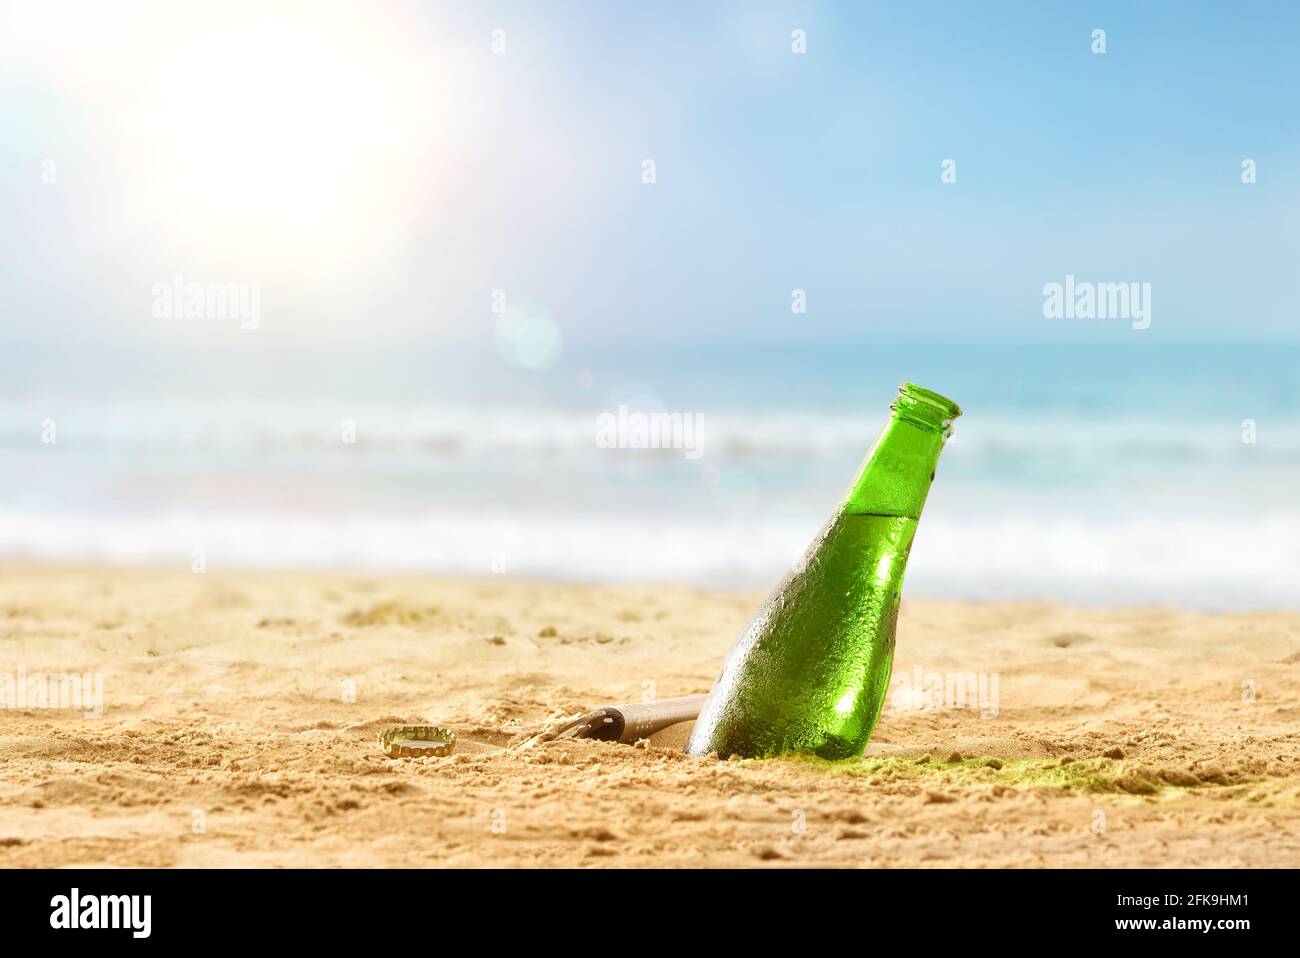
811 670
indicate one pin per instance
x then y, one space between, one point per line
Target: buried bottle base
811 670
775 737
833 750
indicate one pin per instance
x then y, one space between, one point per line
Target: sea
1130 472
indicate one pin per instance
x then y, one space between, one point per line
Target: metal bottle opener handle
626 723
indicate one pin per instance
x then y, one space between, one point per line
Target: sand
242 710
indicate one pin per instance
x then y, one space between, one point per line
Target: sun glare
298 144
278 138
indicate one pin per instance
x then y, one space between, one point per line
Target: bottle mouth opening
925 407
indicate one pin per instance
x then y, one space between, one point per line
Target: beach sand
242 710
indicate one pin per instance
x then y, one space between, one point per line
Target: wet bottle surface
810 671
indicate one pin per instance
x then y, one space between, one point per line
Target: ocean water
1129 472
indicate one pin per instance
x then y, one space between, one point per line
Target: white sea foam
441 430
1069 506
1206 562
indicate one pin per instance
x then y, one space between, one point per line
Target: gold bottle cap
417 741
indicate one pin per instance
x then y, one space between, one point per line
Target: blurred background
463 232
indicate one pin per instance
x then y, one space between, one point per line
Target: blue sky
521 170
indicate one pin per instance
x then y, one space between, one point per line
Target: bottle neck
895 476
